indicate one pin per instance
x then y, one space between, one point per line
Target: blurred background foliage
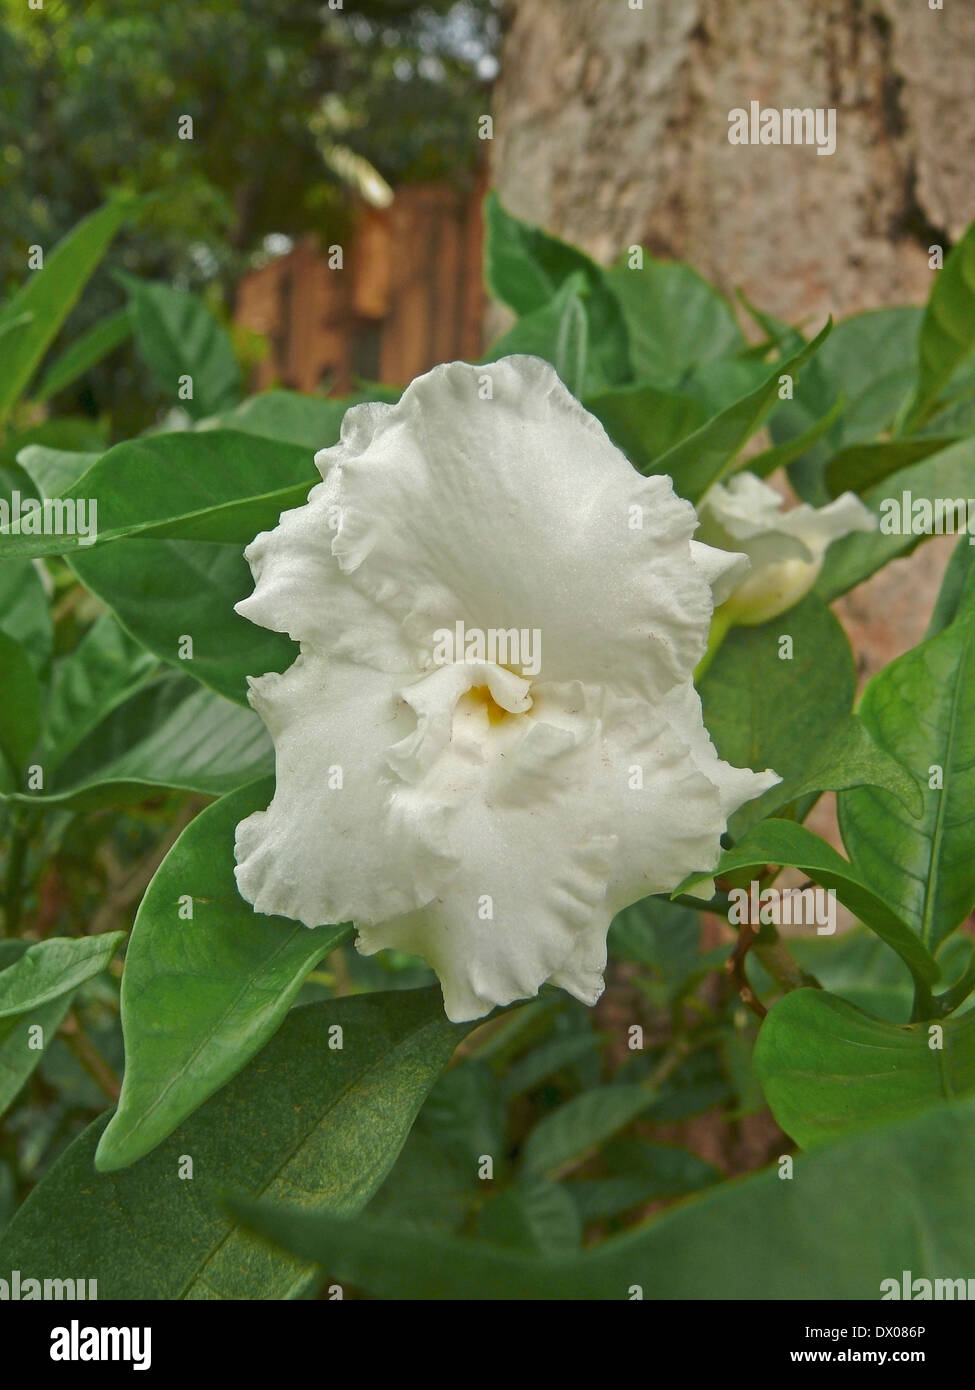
295 111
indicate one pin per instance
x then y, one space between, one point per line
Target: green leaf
921 708
534 1214
789 845
54 470
177 336
583 1123
311 421
893 1199
675 319
169 734
557 332
20 704
525 268
550 1057
201 994
781 455
644 422
25 1037
25 614
108 334
828 1069
705 456
641 1173
211 485
50 294
22 1046
857 966
105 668
947 334
762 711
523 265
956 597
870 360
860 466
163 591
304 1122
51 968
852 559
850 757
663 935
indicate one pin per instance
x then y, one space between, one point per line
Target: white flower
455 807
786 548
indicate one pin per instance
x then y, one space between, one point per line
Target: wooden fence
408 295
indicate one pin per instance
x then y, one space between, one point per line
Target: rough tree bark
611 128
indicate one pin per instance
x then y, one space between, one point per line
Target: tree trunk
611 128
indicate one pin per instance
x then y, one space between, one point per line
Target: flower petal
515 510
299 589
329 848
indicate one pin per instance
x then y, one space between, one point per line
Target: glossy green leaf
852 559
947 334
25 1037
54 967
209 485
860 466
922 709
644 422
762 711
25 613
789 845
526 268
849 757
105 668
763 465
20 704
895 1198
311 421
869 360
106 335
827 1068
304 1122
178 337
202 993
705 456
956 597
557 332
53 469
583 1123
165 591
49 295
169 734
675 319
